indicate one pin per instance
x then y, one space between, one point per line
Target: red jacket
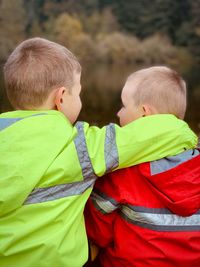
148 215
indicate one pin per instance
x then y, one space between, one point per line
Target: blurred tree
36 29
117 47
35 17
174 14
194 37
100 22
195 4
66 29
158 49
85 48
145 17
56 7
13 22
178 19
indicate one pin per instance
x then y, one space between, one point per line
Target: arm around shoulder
146 139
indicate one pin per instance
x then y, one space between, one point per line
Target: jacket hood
176 181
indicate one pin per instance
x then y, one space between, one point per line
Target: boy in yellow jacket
48 167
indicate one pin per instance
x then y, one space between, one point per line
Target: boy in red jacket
149 214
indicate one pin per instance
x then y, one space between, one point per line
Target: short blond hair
35 68
162 88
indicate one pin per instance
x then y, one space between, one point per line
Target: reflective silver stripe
110 148
103 203
161 221
6 122
40 195
168 163
82 151
110 151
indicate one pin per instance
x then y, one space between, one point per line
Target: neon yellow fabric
39 152
143 140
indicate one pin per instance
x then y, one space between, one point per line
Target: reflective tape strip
168 163
6 122
82 151
110 148
103 203
160 221
40 195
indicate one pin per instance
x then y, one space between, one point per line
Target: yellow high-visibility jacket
47 170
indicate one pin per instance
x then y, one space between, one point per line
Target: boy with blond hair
48 167
149 214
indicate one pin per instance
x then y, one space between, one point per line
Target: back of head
162 88
35 68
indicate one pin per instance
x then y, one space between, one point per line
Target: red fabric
124 244
178 188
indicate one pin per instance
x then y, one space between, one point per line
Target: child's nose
118 113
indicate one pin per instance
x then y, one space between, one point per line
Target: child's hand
94 250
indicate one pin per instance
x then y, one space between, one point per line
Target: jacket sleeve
101 213
146 139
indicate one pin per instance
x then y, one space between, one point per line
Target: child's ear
148 110
59 98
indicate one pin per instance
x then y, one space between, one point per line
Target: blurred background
111 38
